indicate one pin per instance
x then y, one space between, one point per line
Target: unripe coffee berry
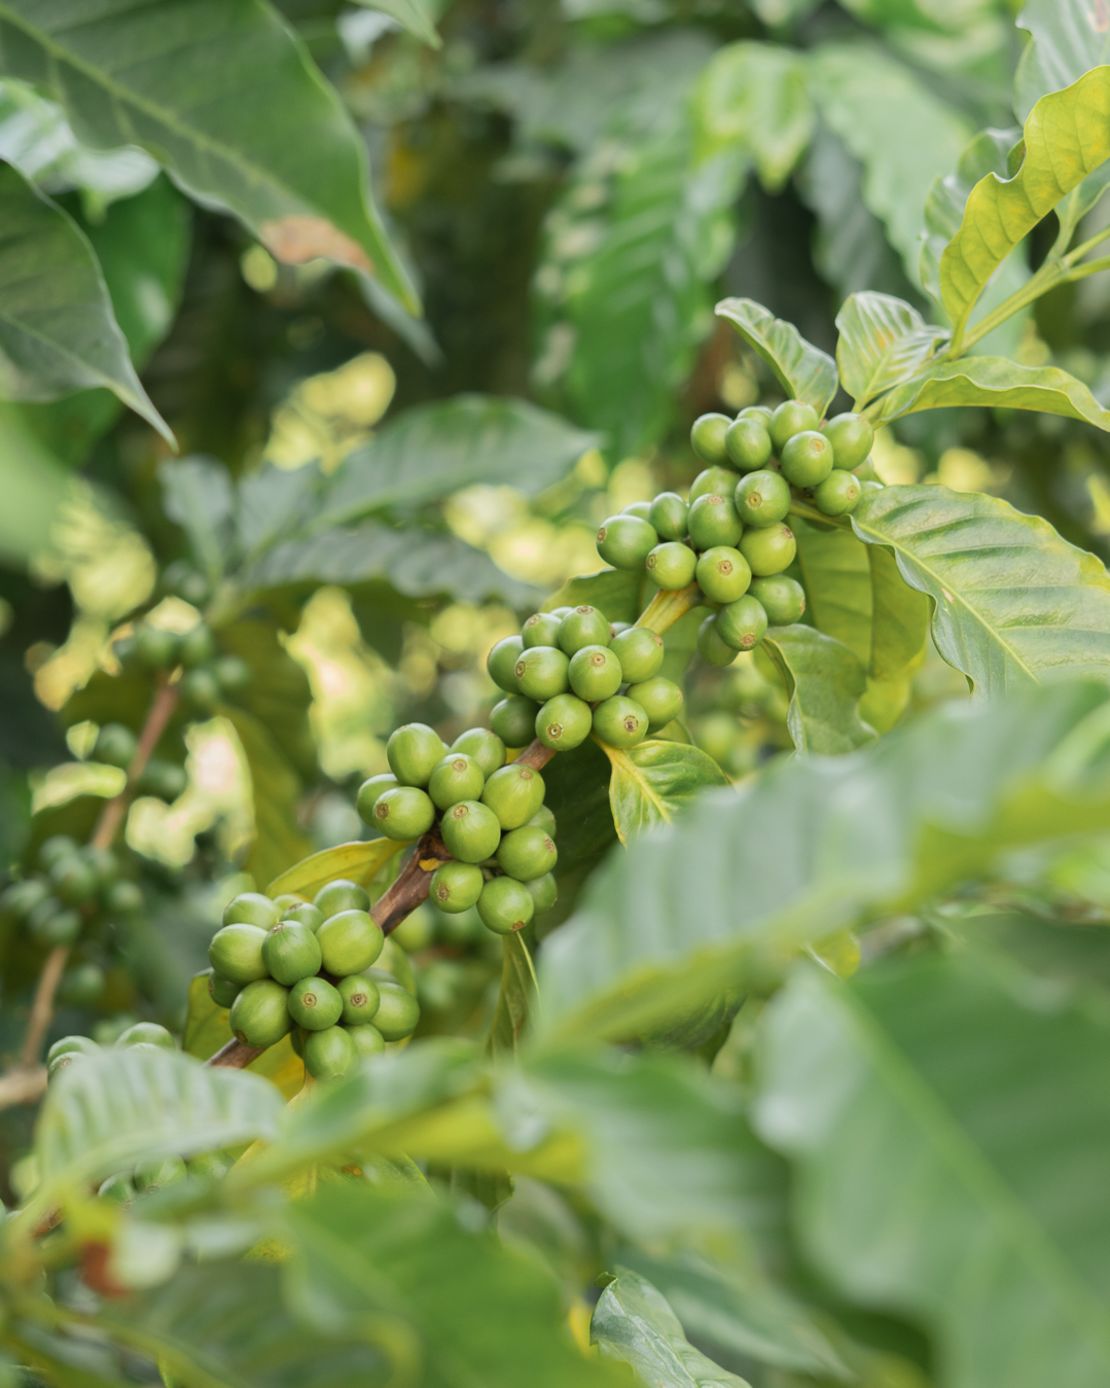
147 1034
583 626
638 508
792 417
513 720
668 516
457 777
115 746
413 752
712 481
155 648
329 1054
484 746
71 1045
748 444
541 629
308 915
349 942
514 794
501 662
564 722
707 436
764 413
527 852
626 541
660 698
164 780
471 831
52 925
74 881
367 1040
723 574
197 646
782 598
544 819
807 459
232 673
770 550
260 1013
235 952
398 1010
341 895
595 673
620 721
544 892
291 951
640 652
541 672
251 908
405 812
838 494
370 791
455 887
222 991
200 689
713 521
851 437
762 498
315 1004
671 565
742 623
505 905
360 999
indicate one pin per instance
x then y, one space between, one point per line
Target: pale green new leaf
826 682
653 781
804 371
634 1323
883 341
417 16
516 997
993 383
752 97
228 100
360 862
1066 137
58 331
948 1128
1014 603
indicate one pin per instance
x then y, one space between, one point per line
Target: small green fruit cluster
115 745
208 676
71 888
490 816
70 1049
287 965
571 673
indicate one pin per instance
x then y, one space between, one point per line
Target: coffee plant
554 834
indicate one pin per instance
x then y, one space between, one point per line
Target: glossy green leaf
654 781
883 341
783 864
922 1088
360 862
516 997
826 682
417 16
634 1324
1013 601
752 97
254 129
58 332
804 371
1066 38
1066 137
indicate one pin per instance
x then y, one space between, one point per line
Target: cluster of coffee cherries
69 1049
489 814
285 965
70 888
571 672
208 675
729 535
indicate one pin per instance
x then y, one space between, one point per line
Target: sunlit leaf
360 862
826 682
883 341
654 780
803 371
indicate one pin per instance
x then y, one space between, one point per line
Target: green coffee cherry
349 942
341 895
311 917
286 901
713 481
155 648
626 541
581 627
457 777
640 652
82 985
660 698
315 1004
58 848
184 581
762 498
398 1010
527 852
544 892
544 819
742 623
671 565
147 1034
713 521
668 516
63 1062
513 720
164 780
329 1054
541 672
564 722
595 673
782 598
723 574
620 721
74 881
638 508
51 924
484 746
115 746
71 1045
413 751
200 689
251 908
838 494
501 662
792 417
367 1040
514 794
222 991
235 952
505 905
748 444
260 1014
291 951
851 437
405 812
196 647
471 831
770 550
541 629
807 459
707 436
232 673
123 898
360 999
764 413
21 898
368 793
120 1189
455 887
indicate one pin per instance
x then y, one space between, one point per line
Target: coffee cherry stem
666 608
